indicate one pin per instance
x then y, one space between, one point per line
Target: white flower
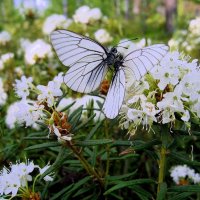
42 170
7 57
22 86
184 172
37 50
22 171
61 137
19 71
86 15
24 43
194 26
81 15
22 112
95 14
5 37
1 64
3 96
28 113
49 92
59 79
11 115
102 36
55 21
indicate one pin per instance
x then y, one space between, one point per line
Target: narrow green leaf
58 162
114 178
123 184
93 131
82 191
67 107
181 158
84 123
146 145
143 193
181 196
121 157
60 193
36 138
43 145
162 192
93 142
79 184
185 188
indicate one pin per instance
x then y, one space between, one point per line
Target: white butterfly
89 61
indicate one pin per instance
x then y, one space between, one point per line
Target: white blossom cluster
37 50
54 22
86 15
187 40
5 37
18 176
3 96
184 173
171 89
5 58
103 36
31 7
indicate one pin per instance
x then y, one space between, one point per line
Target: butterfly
89 61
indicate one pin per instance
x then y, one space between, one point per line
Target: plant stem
87 166
162 162
107 149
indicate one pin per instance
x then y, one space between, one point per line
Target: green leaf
67 107
181 158
162 192
75 117
36 138
94 130
60 193
84 123
78 184
43 145
123 184
57 164
114 178
181 196
93 142
143 194
185 188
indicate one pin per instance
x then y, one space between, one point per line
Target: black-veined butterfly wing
138 63
141 61
84 56
115 96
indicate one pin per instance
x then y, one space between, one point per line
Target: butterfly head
114 50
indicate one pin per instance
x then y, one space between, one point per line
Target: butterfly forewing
140 61
115 94
85 57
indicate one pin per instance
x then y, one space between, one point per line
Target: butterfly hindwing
140 61
115 94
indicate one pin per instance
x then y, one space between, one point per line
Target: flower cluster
5 58
54 22
17 177
3 96
171 93
188 40
36 51
31 8
102 36
5 37
85 15
183 175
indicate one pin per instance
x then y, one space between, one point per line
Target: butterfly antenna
128 40
124 42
